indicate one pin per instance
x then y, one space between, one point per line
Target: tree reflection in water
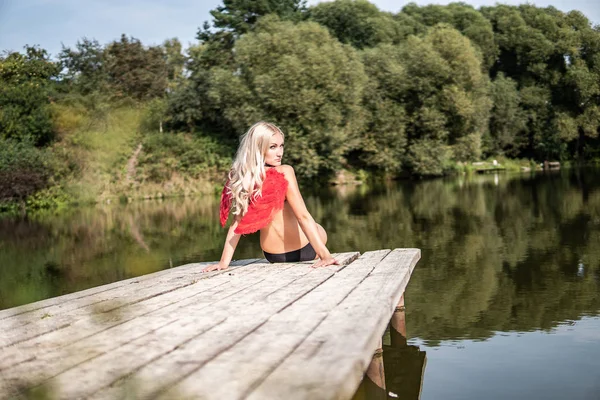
504 253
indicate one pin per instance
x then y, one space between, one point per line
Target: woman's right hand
215 267
325 262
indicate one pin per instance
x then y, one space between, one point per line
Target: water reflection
49 255
499 252
397 368
558 364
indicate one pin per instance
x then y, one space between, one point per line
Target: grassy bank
108 154
116 153
496 163
121 156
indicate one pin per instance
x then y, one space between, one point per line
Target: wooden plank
172 272
56 356
228 375
248 343
243 318
82 334
23 327
332 360
135 350
198 322
185 355
94 297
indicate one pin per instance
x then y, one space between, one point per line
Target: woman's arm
306 221
228 249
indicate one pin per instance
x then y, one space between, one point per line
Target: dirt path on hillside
131 164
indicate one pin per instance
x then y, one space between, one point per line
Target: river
504 303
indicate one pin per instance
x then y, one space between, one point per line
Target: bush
155 116
25 87
428 157
166 154
67 119
24 169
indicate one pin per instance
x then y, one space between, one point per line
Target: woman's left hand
215 267
325 262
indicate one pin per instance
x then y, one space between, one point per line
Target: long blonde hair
248 172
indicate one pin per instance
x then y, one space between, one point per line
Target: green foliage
358 22
516 81
384 141
281 75
438 81
429 157
175 60
167 154
83 69
507 119
155 116
239 16
24 169
134 70
465 19
354 88
187 107
231 20
25 88
51 198
549 55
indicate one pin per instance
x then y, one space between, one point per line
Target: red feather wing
225 204
262 209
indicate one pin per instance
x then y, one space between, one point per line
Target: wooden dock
256 330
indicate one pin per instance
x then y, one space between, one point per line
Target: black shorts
306 253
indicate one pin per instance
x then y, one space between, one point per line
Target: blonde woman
263 195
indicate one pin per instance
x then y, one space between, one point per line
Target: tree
189 107
235 18
551 57
507 119
462 17
239 16
24 169
26 83
446 99
542 139
83 68
301 78
175 60
357 22
134 70
384 140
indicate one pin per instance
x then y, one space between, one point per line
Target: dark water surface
505 302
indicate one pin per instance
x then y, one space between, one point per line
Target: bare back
284 233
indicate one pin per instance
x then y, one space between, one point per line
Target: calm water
505 302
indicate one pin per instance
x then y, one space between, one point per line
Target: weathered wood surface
256 330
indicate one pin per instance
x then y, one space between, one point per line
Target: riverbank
106 155
117 154
510 261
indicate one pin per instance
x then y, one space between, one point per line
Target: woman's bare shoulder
287 171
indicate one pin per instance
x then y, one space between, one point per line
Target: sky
51 23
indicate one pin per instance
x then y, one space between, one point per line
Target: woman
264 196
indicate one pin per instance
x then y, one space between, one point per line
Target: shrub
166 154
25 87
24 169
